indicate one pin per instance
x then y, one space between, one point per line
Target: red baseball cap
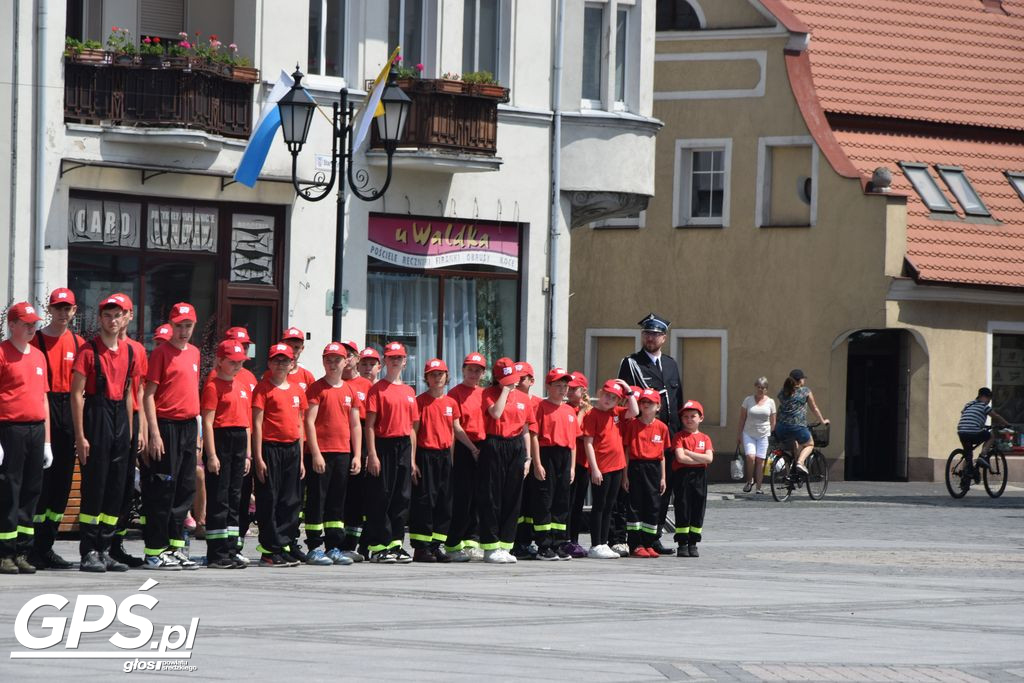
613 386
237 334
578 380
335 349
370 352
180 312
124 299
62 295
636 392
163 333
293 333
475 359
435 365
281 350
352 347
393 350
505 372
24 312
231 350
556 375
650 395
524 368
118 300
692 405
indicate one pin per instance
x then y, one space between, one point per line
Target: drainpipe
39 199
12 257
556 335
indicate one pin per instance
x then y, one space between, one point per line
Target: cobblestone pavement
878 582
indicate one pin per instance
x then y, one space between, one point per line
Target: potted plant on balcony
177 53
483 84
85 52
405 75
207 56
152 52
451 84
242 69
121 46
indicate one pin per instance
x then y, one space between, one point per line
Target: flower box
245 74
446 85
89 56
492 90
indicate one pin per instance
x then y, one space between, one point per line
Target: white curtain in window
460 322
404 308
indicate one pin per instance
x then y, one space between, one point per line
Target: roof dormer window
926 187
1017 182
957 182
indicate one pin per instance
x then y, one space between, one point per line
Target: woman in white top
757 422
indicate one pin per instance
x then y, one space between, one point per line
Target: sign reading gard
442 243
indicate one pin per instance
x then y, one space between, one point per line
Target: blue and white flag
256 151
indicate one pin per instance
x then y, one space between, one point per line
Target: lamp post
296 109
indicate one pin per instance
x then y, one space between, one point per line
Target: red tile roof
945 61
945 250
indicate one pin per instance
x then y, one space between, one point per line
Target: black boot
119 554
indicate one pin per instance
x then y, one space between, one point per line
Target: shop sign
252 249
182 228
443 243
103 222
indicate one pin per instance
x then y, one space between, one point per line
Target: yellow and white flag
373 108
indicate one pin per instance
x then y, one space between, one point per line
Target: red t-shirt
698 442
645 442
60 356
581 452
333 432
23 384
114 364
300 375
605 427
139 356
231 401
282 411
517 414
437 421
395 406
556 424
361 386
472 419
244 376
176 373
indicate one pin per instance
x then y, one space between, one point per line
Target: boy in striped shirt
972 430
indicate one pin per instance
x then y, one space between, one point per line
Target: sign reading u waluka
442 243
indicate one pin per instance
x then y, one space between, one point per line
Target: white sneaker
609 554
184 560
509 557
494 556
475 554
595 552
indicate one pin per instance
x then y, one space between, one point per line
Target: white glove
1 455
47 456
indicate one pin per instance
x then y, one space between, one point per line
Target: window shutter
164 18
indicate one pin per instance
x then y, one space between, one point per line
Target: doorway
877 383
261 320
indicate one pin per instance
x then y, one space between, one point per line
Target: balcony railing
450 116
182 97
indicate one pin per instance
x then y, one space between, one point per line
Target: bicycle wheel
781 485
957 483
817 475
995 476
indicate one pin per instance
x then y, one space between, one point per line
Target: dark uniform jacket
666 381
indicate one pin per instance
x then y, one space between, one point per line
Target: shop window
481 36
1008 377
701 192
327 22
786 184
406 28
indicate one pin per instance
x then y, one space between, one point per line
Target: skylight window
1017 182
957 182
926 187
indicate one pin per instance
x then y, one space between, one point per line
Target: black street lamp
296 108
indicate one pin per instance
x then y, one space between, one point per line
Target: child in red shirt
464 531
437 429
226 408
606 460
645 439
277 435
360 373
526 545
557 430
333 436
390 448
579 400
693 454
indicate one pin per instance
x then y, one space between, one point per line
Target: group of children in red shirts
473 472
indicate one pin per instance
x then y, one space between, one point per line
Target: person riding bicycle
972 429
794 399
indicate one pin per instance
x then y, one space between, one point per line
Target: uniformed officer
649 368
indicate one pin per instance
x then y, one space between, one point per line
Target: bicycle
959 478
785 478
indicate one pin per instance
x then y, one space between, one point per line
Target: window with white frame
926 187
593 62
481 36
406 28
621 33
787 186
327 21
701 192
606 66
631 222
957 182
